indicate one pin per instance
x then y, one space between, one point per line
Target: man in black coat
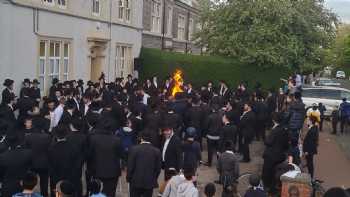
106 166
7 93
171 150
14 163
261 111
78 140
214 125
39 143
228 133
62 158
24 105
194 117
143 178
35 91
276 145
7 110
246 130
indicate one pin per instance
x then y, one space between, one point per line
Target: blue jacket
297 115
127 137
255 192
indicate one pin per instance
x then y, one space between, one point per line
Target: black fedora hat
35 81
8 82
26 81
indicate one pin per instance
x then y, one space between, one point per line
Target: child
209 190
335 120
28 183
192 150
255 190
96 188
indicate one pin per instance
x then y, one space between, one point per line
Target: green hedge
199 69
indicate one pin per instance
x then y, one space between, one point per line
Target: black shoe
207 164
245 161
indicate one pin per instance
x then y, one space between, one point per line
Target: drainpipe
35 21
110 39
188 31
163 26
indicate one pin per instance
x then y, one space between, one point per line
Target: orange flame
178 82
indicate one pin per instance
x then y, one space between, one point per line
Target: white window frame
66 58
190 29
94 4
127 8
60 5
170 21
46 2
42 75
121 8
56 59
124 64
156 16
181 27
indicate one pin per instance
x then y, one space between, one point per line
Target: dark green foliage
199 69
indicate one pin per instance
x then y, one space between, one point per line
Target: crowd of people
98 130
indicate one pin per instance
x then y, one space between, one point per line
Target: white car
326 82
340 75
330 97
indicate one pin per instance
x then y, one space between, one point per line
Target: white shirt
145 99
166 146
52 120
57 114
86 108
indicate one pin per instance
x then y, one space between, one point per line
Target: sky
341 8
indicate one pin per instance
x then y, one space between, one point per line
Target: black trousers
260 130
343 121
245 149
334 126
321 123
44 181
213 147
310 164
140 192
109 186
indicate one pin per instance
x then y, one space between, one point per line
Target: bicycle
243 183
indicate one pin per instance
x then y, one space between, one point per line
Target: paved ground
332 164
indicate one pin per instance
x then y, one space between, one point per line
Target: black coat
173 155
228 133
311 141
62 161
140 175
7 114
194 117
228 168
214 124
78 140
192 155
35 93
6 95
276 144
14 164
24 105
246 125
39 143
106 165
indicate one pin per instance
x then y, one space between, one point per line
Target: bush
200 69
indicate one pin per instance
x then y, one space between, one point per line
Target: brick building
170 25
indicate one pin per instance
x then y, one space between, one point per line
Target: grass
200 69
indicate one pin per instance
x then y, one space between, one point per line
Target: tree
268 32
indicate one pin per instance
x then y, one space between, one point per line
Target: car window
345 94
330 94
322 93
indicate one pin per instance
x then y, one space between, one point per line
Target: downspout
110 38
188 31
35 21
163 25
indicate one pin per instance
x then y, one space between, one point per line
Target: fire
178 82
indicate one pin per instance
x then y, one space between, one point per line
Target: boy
28 183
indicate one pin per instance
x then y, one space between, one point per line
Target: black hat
254 180
26 81
8 82
35 81
90 83
80 82
54 81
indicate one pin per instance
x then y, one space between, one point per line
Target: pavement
332 164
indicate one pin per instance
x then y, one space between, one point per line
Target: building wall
170 41
20 41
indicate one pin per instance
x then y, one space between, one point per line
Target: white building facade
68 39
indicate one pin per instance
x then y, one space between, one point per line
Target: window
127 10
54 62
124 61
96 7
54 59
181 28
124 11
170 19
62 3
42 63
65 61
190 29
155 17
49 2
121 10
